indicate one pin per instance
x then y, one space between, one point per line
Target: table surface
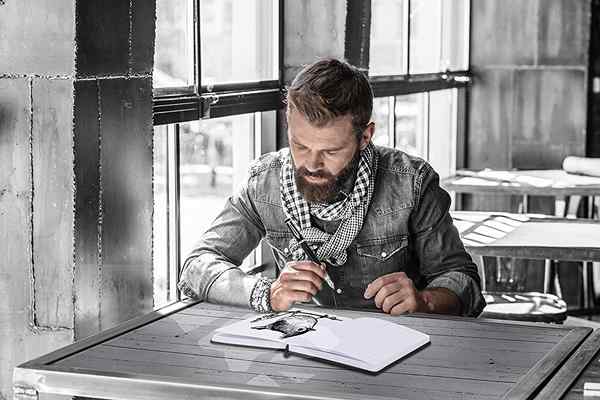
168 353
553 182
528 236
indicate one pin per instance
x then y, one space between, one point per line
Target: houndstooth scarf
351 211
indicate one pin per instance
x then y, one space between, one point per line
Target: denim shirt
407 228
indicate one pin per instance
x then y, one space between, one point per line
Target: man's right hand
297 282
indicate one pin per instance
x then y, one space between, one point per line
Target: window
216 84
238 41
418 36
174 44
389 37
418 68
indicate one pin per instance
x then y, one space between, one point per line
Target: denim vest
407 228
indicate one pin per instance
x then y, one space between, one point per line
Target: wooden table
583 366
557 183
531 236
167 354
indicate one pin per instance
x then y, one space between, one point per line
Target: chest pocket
373 259
383 250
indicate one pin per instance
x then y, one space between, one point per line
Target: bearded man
375 217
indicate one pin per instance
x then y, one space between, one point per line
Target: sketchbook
367 343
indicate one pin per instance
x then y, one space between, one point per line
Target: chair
525 306
521 306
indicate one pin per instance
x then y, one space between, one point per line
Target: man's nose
314 161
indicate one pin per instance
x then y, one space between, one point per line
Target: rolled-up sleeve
212 270
443 260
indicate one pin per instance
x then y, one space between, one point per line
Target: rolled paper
582 165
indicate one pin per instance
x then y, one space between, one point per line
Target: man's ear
367 135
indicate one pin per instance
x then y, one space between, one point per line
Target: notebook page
373 341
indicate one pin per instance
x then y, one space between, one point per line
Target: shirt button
383 254
339 291
286 250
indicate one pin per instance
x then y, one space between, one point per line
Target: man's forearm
441 301
232 287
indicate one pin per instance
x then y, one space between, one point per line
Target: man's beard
328 191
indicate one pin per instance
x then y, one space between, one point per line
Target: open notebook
366 343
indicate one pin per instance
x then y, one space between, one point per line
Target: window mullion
426 136
407 22
392 120
173 212
197 46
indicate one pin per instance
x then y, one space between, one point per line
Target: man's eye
331 152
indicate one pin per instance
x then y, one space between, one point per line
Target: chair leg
560 206
585 284
478 260
547 275
557 288
573 206
595 279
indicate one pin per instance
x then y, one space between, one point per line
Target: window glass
455 34
425 36
160 255
238 40
387 53
174 55
210 155
381 116
442 131
411 124
438 35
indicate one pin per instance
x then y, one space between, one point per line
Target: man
375 217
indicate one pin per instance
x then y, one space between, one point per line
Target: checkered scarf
351 211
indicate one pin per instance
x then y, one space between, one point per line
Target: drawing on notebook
292 323
336 338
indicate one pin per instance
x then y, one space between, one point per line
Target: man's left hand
396 294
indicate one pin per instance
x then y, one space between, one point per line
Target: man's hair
330 88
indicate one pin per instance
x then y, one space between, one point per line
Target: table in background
553 182
530 236
168 354
567 190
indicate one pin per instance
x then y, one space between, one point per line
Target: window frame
172 106
182 104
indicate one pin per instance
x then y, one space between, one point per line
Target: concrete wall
36 181
76 172
527 106
312 30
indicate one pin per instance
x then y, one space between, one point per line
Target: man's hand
297 282
396 294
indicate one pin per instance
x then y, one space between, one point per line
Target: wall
76 172
527 105
36 179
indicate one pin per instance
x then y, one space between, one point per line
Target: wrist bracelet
260 298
